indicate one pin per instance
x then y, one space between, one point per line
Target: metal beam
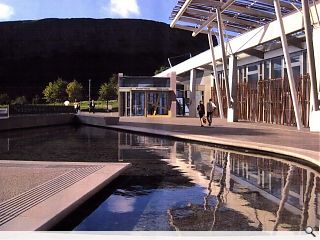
311 60
216 79
180 13
202 13
255 53
212 17
224 56
297 109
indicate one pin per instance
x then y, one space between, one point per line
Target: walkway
37 195
258 136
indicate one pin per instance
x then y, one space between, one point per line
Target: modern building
147 96
266 70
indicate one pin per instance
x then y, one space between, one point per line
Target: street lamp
89 89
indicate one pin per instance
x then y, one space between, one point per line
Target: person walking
201 112
91 106
210 108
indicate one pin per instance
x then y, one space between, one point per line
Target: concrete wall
98 121
29 121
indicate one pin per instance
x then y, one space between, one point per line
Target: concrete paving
304 145
37 195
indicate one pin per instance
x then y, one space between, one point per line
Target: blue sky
158 10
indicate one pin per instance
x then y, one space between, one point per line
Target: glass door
138 103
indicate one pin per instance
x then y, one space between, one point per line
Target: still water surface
175 185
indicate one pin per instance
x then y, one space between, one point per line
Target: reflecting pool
175 185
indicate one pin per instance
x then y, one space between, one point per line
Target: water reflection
263 193
175 185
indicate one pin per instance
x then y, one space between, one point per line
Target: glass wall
138 103
158 103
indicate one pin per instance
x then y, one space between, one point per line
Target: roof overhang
248 41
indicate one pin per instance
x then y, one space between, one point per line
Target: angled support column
310 53
233 81
215 74
173 86
224 56
192 102
297 109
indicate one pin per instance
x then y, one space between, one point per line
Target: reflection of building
267 68
147 96
270 192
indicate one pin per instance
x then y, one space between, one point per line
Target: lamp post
89 89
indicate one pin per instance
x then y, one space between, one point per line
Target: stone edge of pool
307 156
49 212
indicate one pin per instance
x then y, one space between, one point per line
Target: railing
18 109
269 101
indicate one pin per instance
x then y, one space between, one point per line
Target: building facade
266 70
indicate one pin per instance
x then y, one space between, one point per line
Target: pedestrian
92 106
210 109
201 112
76 106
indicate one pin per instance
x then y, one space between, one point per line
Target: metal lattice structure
238 16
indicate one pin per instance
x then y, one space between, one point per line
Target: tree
20 100
55 91
74 91
160 70
4 99
109 90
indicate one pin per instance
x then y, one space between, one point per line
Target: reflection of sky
119 204
142 212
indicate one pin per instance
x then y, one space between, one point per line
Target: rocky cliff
33 53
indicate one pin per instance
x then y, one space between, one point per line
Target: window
276 68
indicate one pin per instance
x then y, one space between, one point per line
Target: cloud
6 11
123 8
119 204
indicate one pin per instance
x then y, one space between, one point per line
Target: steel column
224 56
311 60
215 73
297 109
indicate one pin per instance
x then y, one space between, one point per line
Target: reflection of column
210 183
222 184
312 220
8 145
306 203
270 179
190 153
247 170
228 172
238 166
262 179
119 147
173 153
284 196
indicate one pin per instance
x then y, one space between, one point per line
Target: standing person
210 108
91 106
201 112
75 105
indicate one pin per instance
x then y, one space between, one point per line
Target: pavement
37 195
270 138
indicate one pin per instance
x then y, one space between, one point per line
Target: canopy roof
238 15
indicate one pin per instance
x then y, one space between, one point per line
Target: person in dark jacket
92 106
201 111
